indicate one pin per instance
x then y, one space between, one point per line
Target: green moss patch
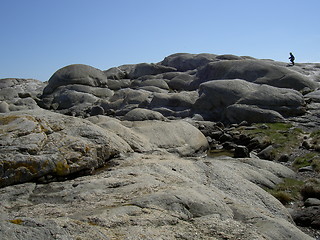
309 159
288 190
283 137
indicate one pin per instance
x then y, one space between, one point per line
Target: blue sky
40 36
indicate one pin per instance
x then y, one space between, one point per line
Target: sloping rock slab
158 196
40 143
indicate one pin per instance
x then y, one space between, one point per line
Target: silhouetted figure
292 58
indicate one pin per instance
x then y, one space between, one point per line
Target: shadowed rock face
218 95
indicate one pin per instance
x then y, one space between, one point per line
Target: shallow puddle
220 152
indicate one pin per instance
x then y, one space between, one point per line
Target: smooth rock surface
158 196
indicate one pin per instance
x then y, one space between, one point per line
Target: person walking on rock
292 58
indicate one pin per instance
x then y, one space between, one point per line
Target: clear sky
40 36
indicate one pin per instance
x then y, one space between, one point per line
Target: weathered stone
136 141
177 101
267 153
115 73
181 82
158 196
270 102
41 143
19 94
153 194
118 84
240 112
143 69
75 74
312 202
175 136
4 107
140 114
256 71
186 61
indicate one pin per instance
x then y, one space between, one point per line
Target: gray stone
257 71
181 82
75 74
153 89
312 202
160 83
136 141
228 57
239 112
155 196
267 153
143 69
175 136
115 73
271 102
131 96
140 114
315 96
176 101
4 107
186 61
19 94
118 84
40 143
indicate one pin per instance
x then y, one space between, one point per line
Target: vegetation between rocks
284 137
287 191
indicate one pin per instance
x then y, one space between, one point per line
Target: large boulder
257 71
177 101
237 113
144 69
217 95
181 82
186 61
176 136
140 114
39 143
75 89
76 74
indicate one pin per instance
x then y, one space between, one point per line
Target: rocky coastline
197 146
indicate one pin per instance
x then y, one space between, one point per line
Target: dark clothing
292 58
